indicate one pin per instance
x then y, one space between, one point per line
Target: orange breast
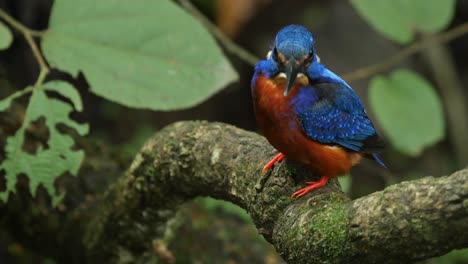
279 124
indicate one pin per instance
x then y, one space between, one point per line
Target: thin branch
29 35
18 94
230 45
410 50
353 76
441 62
18 26
43 68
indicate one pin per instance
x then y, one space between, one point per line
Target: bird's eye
274 54
310 57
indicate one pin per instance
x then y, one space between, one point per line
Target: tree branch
229 44
405 222
415 47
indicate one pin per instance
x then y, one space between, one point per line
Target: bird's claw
272 162
312 186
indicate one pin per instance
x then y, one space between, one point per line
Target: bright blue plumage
294 41
308 113
325 122
330 112
328 109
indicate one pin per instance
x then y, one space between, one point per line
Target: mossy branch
403 223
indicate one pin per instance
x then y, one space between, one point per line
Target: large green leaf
46 164
399 19
5 36
144 53
408 109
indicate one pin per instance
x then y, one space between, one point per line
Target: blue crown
294 41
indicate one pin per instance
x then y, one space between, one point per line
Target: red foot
272 162
312 185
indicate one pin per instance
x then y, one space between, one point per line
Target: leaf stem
406 52
18 26
18 93
353 76
230 45
29 35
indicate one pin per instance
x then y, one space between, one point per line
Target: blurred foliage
399 20
454 257
5 36
409 111
403 102
131 148
215 231
212 204
231 16
345 183
207 7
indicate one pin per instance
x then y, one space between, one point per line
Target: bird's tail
375 157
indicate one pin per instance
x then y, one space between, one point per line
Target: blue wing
331 113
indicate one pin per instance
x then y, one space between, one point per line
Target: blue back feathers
333 115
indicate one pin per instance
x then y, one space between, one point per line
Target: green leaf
345 183
5 36
46 164
212 204
67 90
143 54
432 16
408 109
5 103
455 256
399 19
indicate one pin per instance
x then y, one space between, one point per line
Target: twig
439 60
353 76
230 45
17 25
20 93
394 59
29 35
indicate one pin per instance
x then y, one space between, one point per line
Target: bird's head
293 52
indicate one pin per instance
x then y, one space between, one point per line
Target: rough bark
403 223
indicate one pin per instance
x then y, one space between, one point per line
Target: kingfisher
308 113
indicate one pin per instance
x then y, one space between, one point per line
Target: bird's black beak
292 69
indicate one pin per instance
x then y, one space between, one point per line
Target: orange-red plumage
282 129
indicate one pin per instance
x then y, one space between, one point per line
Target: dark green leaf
5 36
399 19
